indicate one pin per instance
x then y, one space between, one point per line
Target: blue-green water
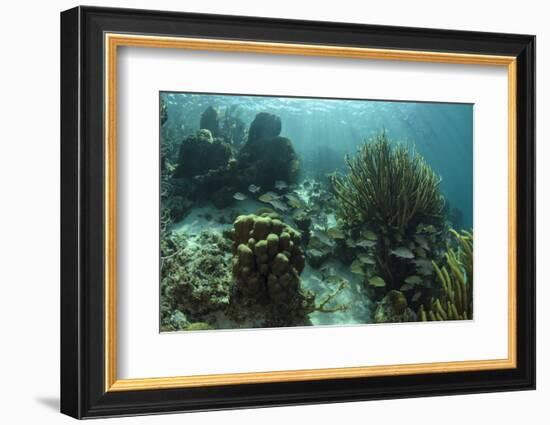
324 130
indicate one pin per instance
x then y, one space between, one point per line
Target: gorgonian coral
391 186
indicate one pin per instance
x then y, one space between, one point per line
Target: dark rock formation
210 121
264 126
267 157
200 153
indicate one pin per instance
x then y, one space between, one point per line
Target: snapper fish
357 267
366 259
402 252
335 233
365 244
294 201
239 196
420 252
253 188
314 252
278 205
423 266
421 240
280 185
414 280
323 237
267 197
377 282
370 235
350 243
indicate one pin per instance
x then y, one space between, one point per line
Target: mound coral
457 280
268 261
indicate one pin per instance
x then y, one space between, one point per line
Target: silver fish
280 185
253 188
402 252
293 200
279 205
323 237
365 244
239 196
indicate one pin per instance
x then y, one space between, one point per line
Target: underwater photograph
295 211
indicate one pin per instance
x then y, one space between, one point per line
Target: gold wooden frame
113 41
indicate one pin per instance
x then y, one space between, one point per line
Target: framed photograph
261 212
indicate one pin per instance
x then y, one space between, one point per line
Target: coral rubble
195 280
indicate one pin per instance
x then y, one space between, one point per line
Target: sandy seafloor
360 306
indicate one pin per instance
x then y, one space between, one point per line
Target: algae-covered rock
178 206
196 280
267 265
265 125
267 157
210 121
174 320
223 197
200 153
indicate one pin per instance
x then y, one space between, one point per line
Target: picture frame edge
83 394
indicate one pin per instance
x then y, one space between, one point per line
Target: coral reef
393 195
268 261
195 279
178 207
456 279
200 153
